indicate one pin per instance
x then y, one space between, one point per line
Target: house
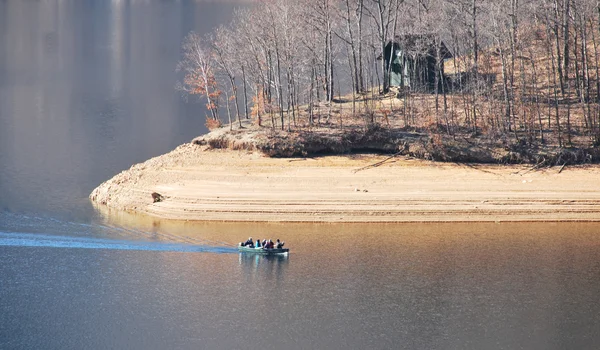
414 59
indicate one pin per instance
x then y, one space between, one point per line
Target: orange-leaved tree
199 76
258 106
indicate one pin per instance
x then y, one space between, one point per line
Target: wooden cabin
414 61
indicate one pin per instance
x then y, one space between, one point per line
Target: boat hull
263 251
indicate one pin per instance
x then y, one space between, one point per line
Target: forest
522 80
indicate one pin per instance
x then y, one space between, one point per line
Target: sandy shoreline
201 184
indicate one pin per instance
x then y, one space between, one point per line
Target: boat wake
38 231
50 241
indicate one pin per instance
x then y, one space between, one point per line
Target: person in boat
264 243
258 245
248 243
270 245
279 244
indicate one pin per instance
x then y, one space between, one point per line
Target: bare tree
199 76
224 51
383 14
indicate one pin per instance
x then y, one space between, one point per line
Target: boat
263 251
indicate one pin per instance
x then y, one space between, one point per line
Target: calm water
447 286
86 90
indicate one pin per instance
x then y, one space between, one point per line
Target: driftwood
374 165
536 167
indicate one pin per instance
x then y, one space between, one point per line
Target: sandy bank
204 184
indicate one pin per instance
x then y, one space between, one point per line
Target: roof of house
420 44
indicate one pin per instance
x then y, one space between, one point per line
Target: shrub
212 124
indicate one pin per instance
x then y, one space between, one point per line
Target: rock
157 197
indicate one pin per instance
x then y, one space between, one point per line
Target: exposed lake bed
204 184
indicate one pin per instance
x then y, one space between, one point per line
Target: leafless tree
198 67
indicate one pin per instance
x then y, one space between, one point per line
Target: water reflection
87 90
411 286
266 267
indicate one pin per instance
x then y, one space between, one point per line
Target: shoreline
198 183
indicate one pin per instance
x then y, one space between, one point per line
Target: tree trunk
245 93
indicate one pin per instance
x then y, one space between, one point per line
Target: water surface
415 286
86 90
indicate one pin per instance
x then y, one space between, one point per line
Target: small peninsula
200 182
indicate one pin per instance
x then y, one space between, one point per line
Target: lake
87 90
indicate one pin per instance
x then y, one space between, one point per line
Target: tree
384 15
223 48
199 78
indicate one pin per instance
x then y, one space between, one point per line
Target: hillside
512 109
